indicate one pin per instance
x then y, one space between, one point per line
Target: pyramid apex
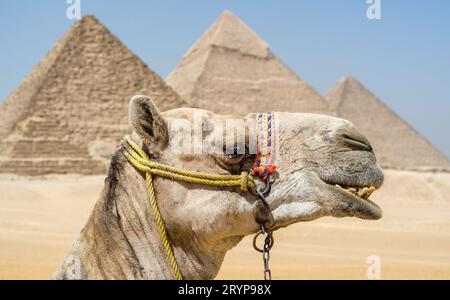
335 95
229 16
86 21
230 32
228 13
348 79
349 82
88 18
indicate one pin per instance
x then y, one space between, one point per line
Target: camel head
325 167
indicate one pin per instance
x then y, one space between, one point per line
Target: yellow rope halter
139 159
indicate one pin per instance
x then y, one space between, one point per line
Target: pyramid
71 110
231 70
395 142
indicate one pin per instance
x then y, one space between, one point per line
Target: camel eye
235 158
231 156
231 161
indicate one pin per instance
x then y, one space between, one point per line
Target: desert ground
41 216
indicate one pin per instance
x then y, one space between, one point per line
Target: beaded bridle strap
264 164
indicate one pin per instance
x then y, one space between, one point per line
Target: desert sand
40 218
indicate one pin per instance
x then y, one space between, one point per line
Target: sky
403 58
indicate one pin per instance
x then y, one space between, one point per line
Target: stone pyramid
70 112
231 70
396 143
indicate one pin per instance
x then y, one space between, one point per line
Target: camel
325 167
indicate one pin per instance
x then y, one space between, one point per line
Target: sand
40 218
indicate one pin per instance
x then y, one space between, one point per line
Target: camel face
325 168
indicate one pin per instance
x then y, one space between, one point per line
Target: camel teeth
369 192
362 192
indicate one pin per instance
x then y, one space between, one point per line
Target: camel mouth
358 199
360 192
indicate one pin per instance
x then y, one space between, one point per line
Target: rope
139 159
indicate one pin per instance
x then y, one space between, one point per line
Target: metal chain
268 244
268 240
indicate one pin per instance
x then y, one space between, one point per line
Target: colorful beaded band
264 165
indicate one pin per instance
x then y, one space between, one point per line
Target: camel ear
148 123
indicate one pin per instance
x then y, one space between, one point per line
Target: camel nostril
359 143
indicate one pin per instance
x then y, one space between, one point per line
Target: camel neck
121 239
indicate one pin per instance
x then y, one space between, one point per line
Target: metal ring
268 241
255 238
267 187
264 191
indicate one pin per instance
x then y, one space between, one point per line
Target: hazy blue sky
404 58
